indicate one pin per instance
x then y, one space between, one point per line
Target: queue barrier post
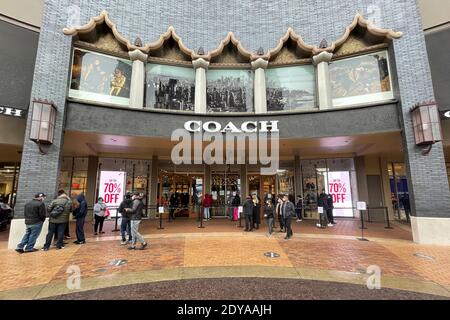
160 227
388 226
200 217
361 213
115 223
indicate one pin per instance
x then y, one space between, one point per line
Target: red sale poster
111 188
340 189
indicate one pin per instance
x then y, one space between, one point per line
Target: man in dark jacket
135 213
330 207
59 211
125 226
248 213
35 213
287 211
322 202
80 215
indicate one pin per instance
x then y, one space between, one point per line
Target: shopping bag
107 213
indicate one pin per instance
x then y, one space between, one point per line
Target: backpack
58 210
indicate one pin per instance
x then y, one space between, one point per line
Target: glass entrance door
224 187
183 192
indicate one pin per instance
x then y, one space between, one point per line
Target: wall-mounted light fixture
426 125
43 123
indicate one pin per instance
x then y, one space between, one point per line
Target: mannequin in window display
173 205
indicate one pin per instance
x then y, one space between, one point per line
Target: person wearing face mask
99 215
135 214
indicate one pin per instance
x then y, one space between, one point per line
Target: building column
259 85
243 174
154 181
207 179
200 66
92 180
321 61
298 177
137 78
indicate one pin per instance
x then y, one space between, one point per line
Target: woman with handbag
99 215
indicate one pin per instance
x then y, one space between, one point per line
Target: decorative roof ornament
260 51
323 44
138 42
201 51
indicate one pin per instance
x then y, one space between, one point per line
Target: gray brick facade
256 24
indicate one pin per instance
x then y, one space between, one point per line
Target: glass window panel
361 79
37 109
170 87
46 111
100 78
290 88
229 91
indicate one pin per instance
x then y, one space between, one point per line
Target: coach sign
12 112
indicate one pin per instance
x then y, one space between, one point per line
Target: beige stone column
137 78
259 85
200 66
321 61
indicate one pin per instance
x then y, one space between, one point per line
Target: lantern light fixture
43 123
426 125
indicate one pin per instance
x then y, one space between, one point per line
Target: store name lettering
13 112
245 127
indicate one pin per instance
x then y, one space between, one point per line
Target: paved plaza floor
222 261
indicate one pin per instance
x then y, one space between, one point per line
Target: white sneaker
318 225
331 225
299 220
123 242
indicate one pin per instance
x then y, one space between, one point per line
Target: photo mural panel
229 90
361 79
100 78
170 87
290 88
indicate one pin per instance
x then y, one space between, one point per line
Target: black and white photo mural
170 87
229 90
290 88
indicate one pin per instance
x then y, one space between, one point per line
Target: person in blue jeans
35 213
125 226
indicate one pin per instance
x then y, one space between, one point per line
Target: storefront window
398 183
100 78
229 91
290 88
9 177
361 79
170 87
73 175
336 177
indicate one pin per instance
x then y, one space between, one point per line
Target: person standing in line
207 203
330 207
135 213
278 212
269 215
59 211
99 216
322 202
35 213
80 215
125 225
288 211
248 213
173 205
256 211
236 203
299 209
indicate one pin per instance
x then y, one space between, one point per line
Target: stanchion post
361 213
387 219
160 220
200 217
115 224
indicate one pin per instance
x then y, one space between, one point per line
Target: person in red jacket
207 203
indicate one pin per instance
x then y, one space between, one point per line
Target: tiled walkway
222 250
